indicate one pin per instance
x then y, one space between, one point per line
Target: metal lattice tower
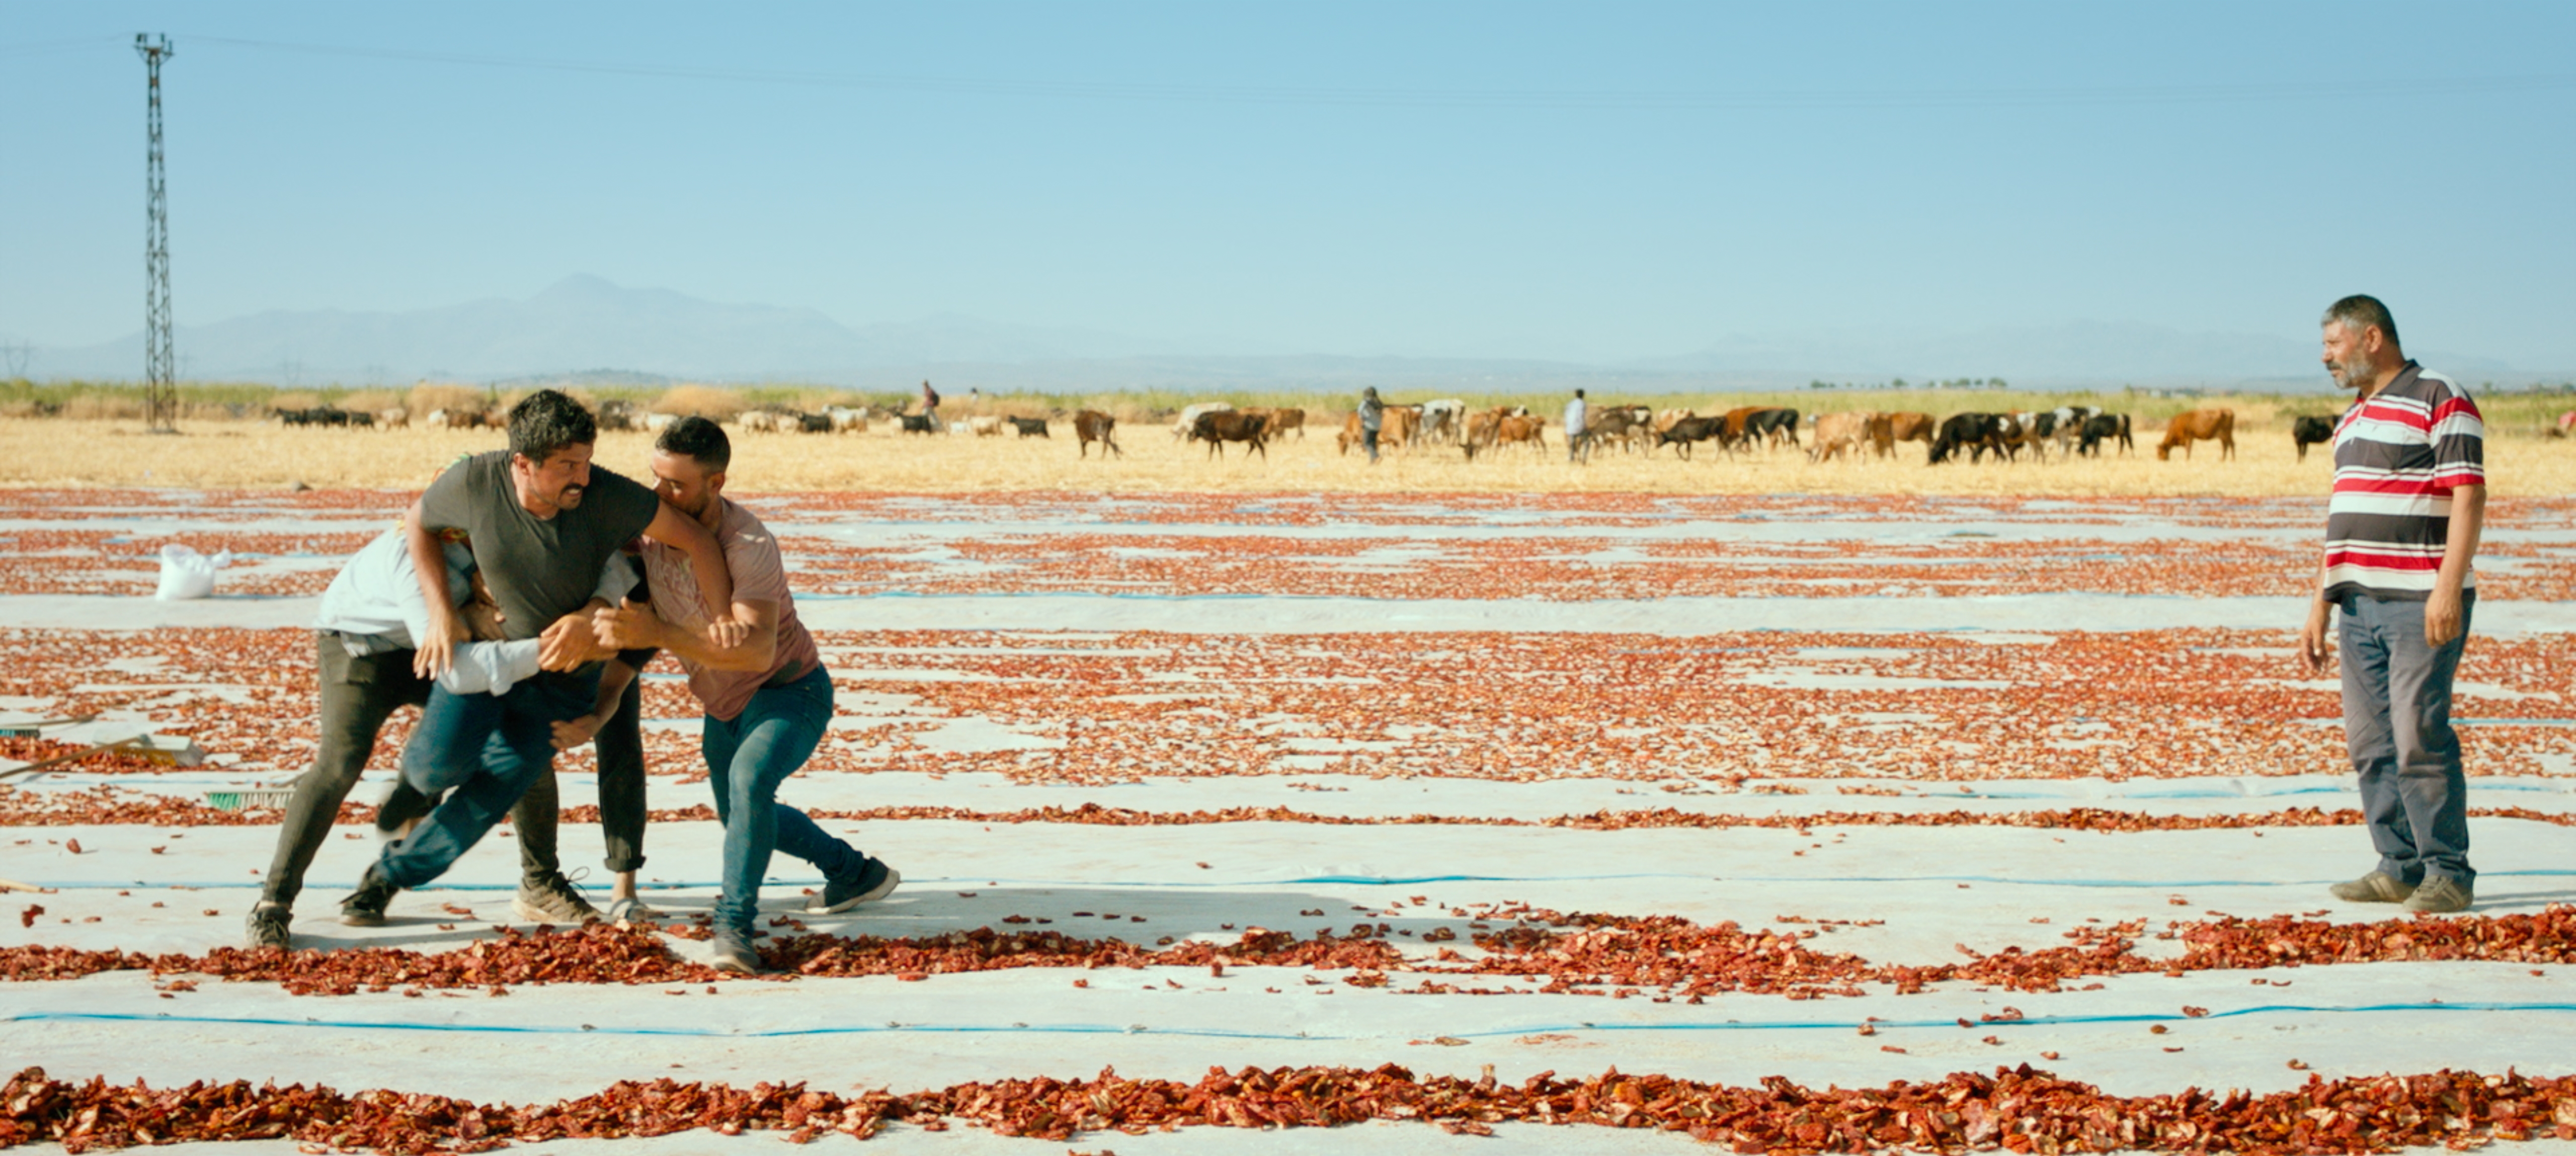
160 383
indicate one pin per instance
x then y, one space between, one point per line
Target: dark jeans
1368 437
620 749
359 692
748 756
2397 727
484 751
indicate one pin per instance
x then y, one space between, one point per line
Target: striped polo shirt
2398 455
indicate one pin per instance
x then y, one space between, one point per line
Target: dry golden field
65 452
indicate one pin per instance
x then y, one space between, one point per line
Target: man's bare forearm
706 555
758 651
429 565
2460 548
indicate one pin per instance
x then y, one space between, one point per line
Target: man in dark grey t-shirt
542 523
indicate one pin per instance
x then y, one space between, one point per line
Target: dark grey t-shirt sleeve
627 507
448 503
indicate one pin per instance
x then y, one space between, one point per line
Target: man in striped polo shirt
2409 499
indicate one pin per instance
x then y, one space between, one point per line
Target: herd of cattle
2071 431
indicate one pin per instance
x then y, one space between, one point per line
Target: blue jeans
2397 727
483 750
748 756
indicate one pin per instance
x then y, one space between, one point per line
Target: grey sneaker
366 908
2441 895
266 926
874 881
627 912
2376 887
734 953
551 898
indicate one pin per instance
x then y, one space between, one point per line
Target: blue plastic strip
1228 1033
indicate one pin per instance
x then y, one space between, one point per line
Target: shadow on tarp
1138 916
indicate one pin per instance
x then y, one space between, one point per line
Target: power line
160 385
1468 98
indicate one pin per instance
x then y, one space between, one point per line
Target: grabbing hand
726 633
573 732
567 644
628 627
437 652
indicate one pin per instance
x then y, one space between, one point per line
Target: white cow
1442 421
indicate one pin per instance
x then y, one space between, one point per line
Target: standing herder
930 404
767 696
2401 530
1577 419
1372 418
543 525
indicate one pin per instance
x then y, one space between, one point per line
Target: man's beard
2352 374
568 497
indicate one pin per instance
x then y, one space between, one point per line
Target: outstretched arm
635 626
613 679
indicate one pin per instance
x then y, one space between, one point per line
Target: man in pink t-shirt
768 699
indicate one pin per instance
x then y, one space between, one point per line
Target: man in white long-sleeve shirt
1577 416
369 623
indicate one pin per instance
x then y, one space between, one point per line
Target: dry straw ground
62 452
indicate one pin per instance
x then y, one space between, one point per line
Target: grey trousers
2397 727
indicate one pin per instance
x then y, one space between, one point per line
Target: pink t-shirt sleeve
753 558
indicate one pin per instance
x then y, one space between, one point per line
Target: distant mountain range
584 328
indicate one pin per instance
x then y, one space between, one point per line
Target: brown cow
2200 425
1836 432
1216 429
1394 423
1403 425
1283 420
1887 429
1479 431
1738 421
1091 425
1503 426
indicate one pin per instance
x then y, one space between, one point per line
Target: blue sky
1594 181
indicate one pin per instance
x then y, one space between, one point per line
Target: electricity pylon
160 385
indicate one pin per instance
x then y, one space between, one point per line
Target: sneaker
734 953
2441 895
2376 887
551 898
628 912
266 926
401 807
367 907
874 881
